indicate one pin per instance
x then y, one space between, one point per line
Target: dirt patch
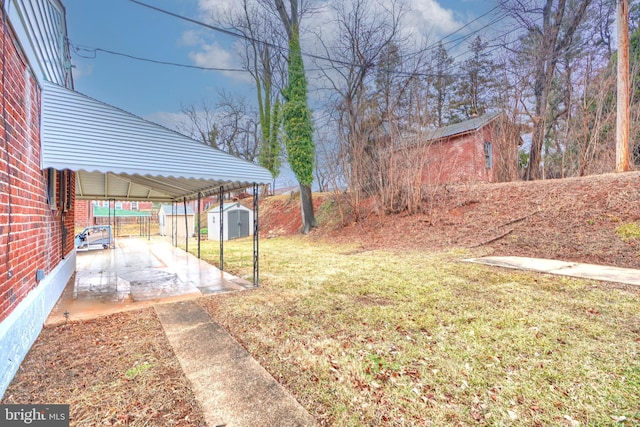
280 215
113 370
572 220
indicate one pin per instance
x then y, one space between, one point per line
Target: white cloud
210 8
213 55
428 19
191 38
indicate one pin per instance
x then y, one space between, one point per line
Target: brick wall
31 231
83 213
459 159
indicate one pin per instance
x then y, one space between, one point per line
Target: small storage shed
237 221
171 218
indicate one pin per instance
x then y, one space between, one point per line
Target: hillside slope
572 219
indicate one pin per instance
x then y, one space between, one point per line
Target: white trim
23 325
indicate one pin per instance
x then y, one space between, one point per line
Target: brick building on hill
481 149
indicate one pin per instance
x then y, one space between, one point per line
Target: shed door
244 223
238 223
233 219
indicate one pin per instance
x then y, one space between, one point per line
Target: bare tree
237 127
265 63
201 124
366 31
550 26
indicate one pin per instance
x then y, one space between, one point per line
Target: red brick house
56 147
482 149
37 256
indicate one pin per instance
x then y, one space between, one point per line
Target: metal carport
119 156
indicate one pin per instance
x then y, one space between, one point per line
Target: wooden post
622 113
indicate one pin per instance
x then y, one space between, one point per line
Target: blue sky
158 92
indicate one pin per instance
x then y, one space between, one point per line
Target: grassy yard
386 338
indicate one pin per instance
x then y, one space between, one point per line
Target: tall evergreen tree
474 84
442 81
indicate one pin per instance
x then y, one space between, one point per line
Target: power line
231 33
435 44
319 57
95 50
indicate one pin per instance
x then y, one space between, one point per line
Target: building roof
462 127
227 206
118 155
177 209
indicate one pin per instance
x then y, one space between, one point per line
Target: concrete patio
137 273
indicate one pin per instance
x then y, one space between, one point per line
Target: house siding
36 240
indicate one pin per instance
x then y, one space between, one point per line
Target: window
134 206
51 188
488 155
118 205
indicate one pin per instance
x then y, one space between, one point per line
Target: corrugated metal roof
121 156
462 127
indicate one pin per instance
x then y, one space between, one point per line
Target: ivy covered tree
297 121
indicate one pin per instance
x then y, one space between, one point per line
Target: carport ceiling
120 156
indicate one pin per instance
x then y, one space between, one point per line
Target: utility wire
80 49
92 54
231 33
319 57
95 50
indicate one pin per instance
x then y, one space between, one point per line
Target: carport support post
221 229
113 227
199 227
256 282
186 225
173 218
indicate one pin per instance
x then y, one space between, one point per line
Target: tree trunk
306 203
622 108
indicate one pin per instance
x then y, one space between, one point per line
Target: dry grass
113 370
389 338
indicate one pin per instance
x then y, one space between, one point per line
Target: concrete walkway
574 269
232 388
